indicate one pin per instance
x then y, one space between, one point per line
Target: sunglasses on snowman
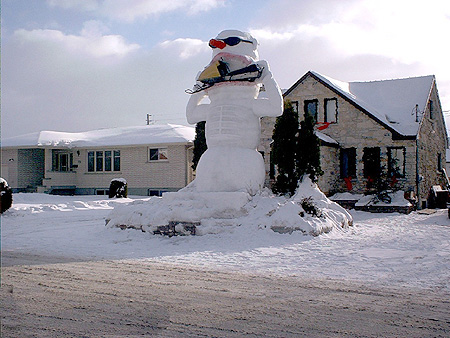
231 41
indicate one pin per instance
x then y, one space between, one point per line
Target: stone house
152 159
395 127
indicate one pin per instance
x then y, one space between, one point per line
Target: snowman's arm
273 104
196 112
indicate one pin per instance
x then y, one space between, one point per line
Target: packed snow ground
387 249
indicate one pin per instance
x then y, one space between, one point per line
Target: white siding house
152 159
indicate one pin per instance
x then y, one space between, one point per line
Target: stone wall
432 144
356 129
329 161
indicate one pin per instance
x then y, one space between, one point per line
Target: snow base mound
182 213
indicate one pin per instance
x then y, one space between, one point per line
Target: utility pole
149 119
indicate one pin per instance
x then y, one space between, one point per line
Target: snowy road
65 274
135 298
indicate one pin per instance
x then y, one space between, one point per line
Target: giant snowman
232 81
231 171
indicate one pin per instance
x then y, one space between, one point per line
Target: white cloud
402 29
52 81
90 42
94 28
186 48
87 5
130 10
198 6
357 40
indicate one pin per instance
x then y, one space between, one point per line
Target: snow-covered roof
151 134
391 102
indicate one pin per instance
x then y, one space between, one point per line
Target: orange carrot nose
213 43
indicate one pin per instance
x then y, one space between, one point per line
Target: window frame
402 166
103 161
160 153
102 192
431 109
155 192
108 160
116 160
99 162
306 111
326 113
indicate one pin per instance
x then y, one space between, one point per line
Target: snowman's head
235 42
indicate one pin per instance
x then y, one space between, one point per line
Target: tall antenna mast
149 119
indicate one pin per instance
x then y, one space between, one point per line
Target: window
311 108
116 160
108 163
91 161
99 161
331 110
157 154
154 192
439 162
371 160
396 161
62 161
348 162
431 108
108 160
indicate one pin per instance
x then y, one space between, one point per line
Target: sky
78 65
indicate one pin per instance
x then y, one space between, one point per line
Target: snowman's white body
231 162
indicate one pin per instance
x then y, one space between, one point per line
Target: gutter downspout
419 200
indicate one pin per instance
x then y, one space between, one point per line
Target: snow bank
396 199
387 249
309 212
178 207
31 204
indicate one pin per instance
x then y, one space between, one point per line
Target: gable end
395 134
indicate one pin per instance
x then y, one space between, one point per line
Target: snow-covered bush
6 197
310 211
118 188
